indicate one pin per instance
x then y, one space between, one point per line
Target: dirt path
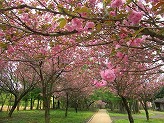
100 117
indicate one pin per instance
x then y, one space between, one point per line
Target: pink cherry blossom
155 1
135 17
136 42
101 83
83 14
68 1
92 2
95 82
109 65
117 46
89 25
79 4
144 37
129 43
119 55
112 13
25 17
98 85
43 51
69 28
77 24
123 35
125 59
108 75
2 64
117 70
10 49
56 49
117 3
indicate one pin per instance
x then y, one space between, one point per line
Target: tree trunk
86 104
2 106
26 104
47 112
66 108
37 107
18 105
58 104
153 105
130 117
16 101
53 102
135 107
147 114
40 105
46 105
31 104
146 109
121 107
111 106
9 103
76 106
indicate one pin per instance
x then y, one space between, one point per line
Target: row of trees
61 46
20 81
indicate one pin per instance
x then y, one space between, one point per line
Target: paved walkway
101 117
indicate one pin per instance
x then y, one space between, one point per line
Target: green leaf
161 11
60 8
161 31
50 6
121 16
3 45
98 27
113 53
137 32
1 6
45 26
52 44
128 2
63 22
158 5
83 9
3 27
84 67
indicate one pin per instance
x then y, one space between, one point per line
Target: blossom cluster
108 74
77 24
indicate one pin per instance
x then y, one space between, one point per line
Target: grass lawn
155 117
140 121
37 116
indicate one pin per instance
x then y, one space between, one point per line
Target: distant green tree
160 94
106 96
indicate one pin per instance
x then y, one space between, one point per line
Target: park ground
155 117
57 116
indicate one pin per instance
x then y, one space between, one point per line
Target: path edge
92 117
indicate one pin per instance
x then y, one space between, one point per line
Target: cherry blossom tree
51 37
17 79
128 74
147 91
77 84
